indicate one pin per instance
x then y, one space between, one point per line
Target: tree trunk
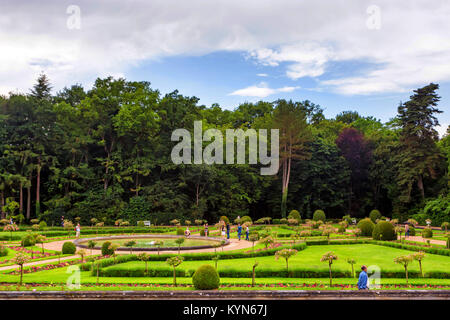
420 186
21 198
28 202
174 278
406 271
330 275
2 203
38 188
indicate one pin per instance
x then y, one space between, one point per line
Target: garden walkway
420 239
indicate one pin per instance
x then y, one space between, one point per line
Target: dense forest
105 153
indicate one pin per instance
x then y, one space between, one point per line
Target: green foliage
319 215
294 214
206 278
384 231
106 249
3 251
224 219
28 241
427 233
374 215
366 226
42 225
180 231
68 248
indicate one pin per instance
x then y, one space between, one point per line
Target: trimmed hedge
384 231
374 215
106 251
427 233
319 215
28 241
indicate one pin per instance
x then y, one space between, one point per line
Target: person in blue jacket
228 231
362 281
247 233
239 231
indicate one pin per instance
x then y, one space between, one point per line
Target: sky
357 55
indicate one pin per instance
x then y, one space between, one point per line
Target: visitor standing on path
363 279
239 231
77 231
247 232
187 232
228 231
406 230
206 229
62 221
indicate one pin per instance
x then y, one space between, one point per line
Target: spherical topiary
319 215
106 251
384 231
28 241
68 248
341 229
412 231
206 278
427 233
294 214
276 221
42 225
366 226
202 232
180 231
374 215
283 221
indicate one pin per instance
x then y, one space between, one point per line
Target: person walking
228 231
77 231
247 233
406 230
239 231
187 232
363 279
62 221
206 229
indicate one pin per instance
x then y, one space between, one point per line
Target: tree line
105 153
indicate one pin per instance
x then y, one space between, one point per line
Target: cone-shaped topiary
384 231
366 226
28 241
106 249
294 214
206 278
319 215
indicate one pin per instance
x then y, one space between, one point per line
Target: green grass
309 258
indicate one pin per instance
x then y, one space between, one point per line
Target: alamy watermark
213 152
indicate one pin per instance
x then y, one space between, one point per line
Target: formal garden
280 254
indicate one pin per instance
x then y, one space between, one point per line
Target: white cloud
262 74
302 38
261 91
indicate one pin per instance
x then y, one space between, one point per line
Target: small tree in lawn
59 253
399 231
419 256
68 225
352 262
222 243
305 234
41 239
286 254
412 222
404 261
326 232
81 253
11 228
267 241
253 273
130 244
329 257
113 247
294 237
445 226
91 245
144 257
253 238
216 259
159 244
93 222
20 259
180 241
357 232
174 262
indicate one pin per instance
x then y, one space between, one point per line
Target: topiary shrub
28 241
347 218
412 231
341 229
276 221
319 215
68 248
427 233
225 219
294 214
283 221
3 251
180 231
141 224
366 226
245 219
202 232
206 278
384 231
106 251
374 215
42 225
